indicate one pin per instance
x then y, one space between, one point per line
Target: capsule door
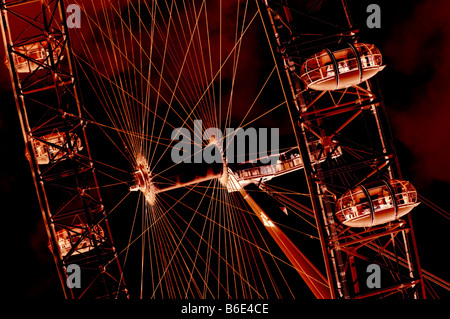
384 209
348 68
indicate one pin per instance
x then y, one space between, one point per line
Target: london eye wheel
237 149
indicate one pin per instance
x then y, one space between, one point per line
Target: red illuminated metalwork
39 60
330 92
359 200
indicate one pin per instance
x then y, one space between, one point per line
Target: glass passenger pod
51 150
328 71
37 53
376 203
68 237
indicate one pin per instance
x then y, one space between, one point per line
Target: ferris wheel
164 201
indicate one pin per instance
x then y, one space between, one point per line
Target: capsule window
369 54
318 67
346 60
380 197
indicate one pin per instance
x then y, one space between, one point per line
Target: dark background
415 41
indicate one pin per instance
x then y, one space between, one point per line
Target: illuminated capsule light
334 70
286 162
36 54
376 203
53 147
67 239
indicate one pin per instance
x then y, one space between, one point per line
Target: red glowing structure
357 202
40 62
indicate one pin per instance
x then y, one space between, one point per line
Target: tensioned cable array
155 66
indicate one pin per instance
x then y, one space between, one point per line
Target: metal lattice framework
40 64
343 144
353 118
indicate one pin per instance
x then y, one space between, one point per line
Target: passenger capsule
68 237
29 57
53 147
334 70
376 203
